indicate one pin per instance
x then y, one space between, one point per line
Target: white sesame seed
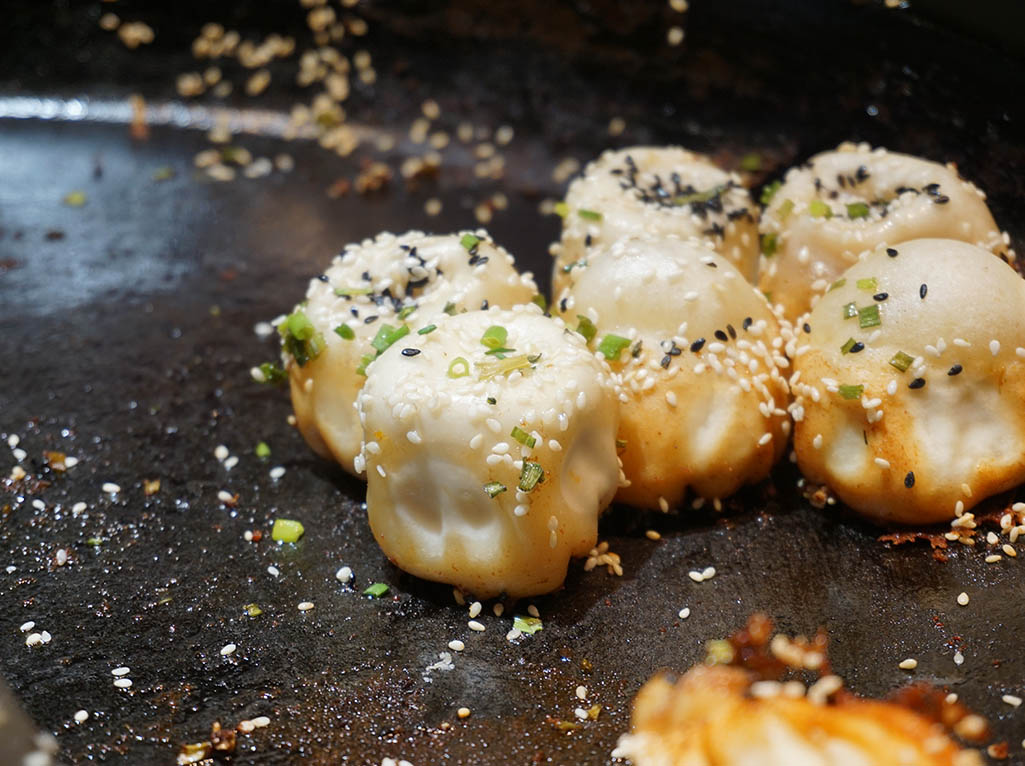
708 573
663 505
245 726
580 713
498 609
962 599
260 721
475 608
344 574
61 556
45 637
111 488
39 505
1008 550
277 472
463 712
228 649
695 575
882 463
26 627
273 571
958 658
123 683
225 497
474 625
909 664
951 698
994 347
81 716
456 645
248 535
1012 699
121 671
70 461
305 606
78 508
19 454
671 398
993 558
33 639
684 613
581 692
221 452
231 462
13 441
532 611
652 534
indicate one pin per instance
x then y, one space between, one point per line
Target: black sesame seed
484 305
909 480
891 252
492 400
366 276
697 345
917 383
731 331
562 305
807 328
858 346
720 335
880 296
410 351
322 277
922 291
747 323
370 319
943 199
354 311
955 370
665 361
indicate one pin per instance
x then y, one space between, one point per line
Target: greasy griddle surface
109 351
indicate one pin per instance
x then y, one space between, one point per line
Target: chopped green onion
348 292
561 209
901 361
751 162
459 368
270 373
819 209
494 488
590 215
769 244
837 284
586 328
523 437
492 400
376 590
869 316
427 330
527 625
769 191
407 310
785 209
469 241
850 310
75 199
869 283
541 301
163 173
363 362
851 392
612 346
387 335
494 337
530 476
701 196
450 309
344 331
253 610
719 652
300 338
492 368
857 210
499 352
262 450
94 541
286 530
846 347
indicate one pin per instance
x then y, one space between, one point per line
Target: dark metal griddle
109 351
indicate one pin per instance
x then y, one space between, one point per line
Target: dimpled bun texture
434 440
703 403
384 276
874 198
923 444
707 718
658 191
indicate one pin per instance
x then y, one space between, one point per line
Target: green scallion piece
387 335
846 347
590 215
530 476
494 337
612 346
469 241
561 209
344 331
427 330
902 361
270 373
819 209
286 530
365 360
459 368
262 450
837 284
494 488
769 244
300 338
76 198
851 392
492 368
407 310
540 300
253 610
163 173
769 191
850 310
523 437
94 541
701 196
751 162
784 210
586 328
348 292
869 283
527 625
857 210
450 309
501 352
869 316
376 590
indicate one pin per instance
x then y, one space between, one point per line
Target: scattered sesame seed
13 441
39 505
456 645
26 627
111 488
652 534
993 558
121 671
261 721
475 608
684 613
532 611
34 639
81 716
909 664
228 649
962 599
474 625
581 692
225 497
675 35
123 683
994 347
277 472
1007 549
78 507
344 574
221 452
882 463
231 462
663 505
958 658
463 712
498 609
580 713
305 606
273 571
1012 699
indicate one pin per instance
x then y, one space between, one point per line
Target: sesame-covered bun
909 382
658 191
699 354
711 718
390 284
488 471
846 202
